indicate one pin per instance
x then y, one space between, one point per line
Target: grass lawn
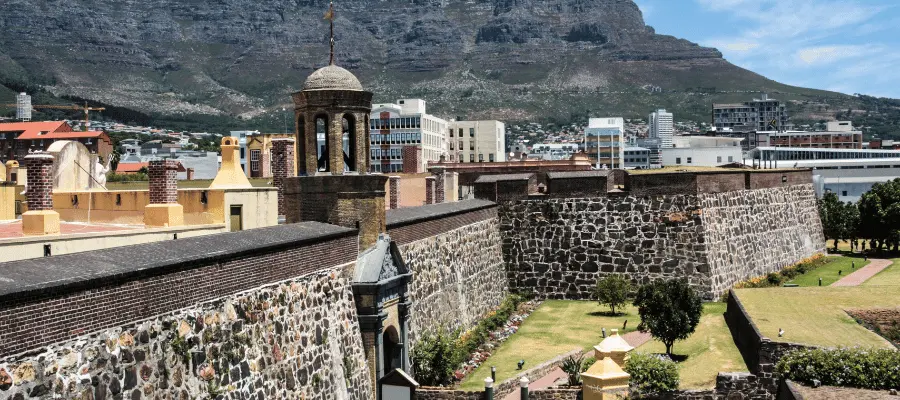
829 271
815 315
556 327
889 276
195 184
709 350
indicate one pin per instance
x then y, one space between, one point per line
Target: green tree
613 291
669 310
652 373
879 214
833 215
433 359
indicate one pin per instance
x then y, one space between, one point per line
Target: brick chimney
163 210
439 186
40 219
394 188
429 190
282 167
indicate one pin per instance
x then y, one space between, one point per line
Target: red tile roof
61 135
35 128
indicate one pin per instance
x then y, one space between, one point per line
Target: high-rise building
662 126
604 142
763 114
23 107
404 137
476 141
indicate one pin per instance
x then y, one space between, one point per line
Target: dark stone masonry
557 247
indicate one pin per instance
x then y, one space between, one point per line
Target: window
242 153
471 145
844 193
689 160
460 144
451 146
451 132
460 132
471 158
491 157
678 160
719 159
730 158
254 160
481 158
471 132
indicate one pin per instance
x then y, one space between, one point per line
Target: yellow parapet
39 223
163 215
230 174
7 201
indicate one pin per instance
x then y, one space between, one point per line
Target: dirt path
863 274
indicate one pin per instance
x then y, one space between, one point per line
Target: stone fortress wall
712 228
265 313
453 250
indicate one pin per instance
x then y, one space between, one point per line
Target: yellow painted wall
259 207
7 202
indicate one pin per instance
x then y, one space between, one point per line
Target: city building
195 164
847 172
259 153
637 158
662 126
839 135
18 138
553 151
604 142
763 114
404 137
703 151
477 141
653 145
242 142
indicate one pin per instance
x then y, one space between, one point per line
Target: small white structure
477 141
702 151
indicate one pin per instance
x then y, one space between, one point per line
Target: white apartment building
405 130
553 151
662 126
703 151
476 141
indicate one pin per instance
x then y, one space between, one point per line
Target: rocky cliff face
240 57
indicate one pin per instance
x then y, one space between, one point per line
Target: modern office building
553 151
604 142
703 151
404 138
847 172
654 145
763 114
637 158
662 127
839 135
476 141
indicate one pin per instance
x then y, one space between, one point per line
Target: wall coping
504 177
412 215
578 174
51 276
732 294
126 233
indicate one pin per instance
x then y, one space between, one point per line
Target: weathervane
329 15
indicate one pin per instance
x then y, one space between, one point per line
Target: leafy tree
879 214
613 290
834 219
669 310
652 373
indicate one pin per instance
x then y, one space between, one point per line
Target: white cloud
824 55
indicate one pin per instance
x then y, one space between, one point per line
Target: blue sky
849 46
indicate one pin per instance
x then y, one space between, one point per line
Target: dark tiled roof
21 278
503 177
410 215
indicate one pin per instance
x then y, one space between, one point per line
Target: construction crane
84 108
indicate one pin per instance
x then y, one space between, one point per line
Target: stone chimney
394 187
163 210
429 190
230 174
282 167
40 219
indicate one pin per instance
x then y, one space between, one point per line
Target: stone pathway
633 338
863 274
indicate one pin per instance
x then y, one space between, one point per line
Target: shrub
434 359
669 310
587 363
613 291
652 373
877 369
136 177
572 367
786 274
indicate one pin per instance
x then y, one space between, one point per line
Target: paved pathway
633 338
863 274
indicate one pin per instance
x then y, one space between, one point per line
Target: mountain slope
511 59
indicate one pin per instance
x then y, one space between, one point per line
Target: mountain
239 59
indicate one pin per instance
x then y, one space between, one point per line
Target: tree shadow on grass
607 314
678 358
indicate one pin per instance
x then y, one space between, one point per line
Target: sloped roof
380 262
34 128
61 135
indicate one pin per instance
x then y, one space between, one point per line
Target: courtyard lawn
889 276
556 327
829 271
709 350
815 315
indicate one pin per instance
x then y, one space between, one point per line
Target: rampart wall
713 229
266 313
453 250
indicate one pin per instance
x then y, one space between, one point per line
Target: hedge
877 369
